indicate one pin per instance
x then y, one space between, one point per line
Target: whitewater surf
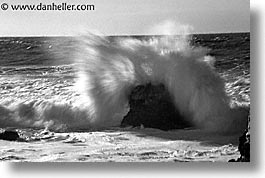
68 85
107 72
110 70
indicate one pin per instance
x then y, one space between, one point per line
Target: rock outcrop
244 146
9 135
151 106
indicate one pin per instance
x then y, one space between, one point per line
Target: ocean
37 70
39 76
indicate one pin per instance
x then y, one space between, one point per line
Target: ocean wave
106 72
110 70
53 115
39 70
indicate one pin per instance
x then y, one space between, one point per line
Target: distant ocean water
37 70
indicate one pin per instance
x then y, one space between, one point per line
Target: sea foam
109 70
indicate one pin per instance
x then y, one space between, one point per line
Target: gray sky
116 17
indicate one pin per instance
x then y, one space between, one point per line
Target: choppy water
40 72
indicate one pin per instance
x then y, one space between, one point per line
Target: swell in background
38 77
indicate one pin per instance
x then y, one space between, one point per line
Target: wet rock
9 135
244 146
151 106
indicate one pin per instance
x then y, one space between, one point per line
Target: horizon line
113 35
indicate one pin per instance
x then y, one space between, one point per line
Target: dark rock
232 160
9 135
151 106
244 146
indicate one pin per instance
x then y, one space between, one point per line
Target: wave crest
109 70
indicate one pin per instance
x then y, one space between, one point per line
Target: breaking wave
108 70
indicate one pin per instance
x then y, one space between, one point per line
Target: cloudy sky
126 17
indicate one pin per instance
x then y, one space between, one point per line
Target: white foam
110 70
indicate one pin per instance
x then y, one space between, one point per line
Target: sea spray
109 70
